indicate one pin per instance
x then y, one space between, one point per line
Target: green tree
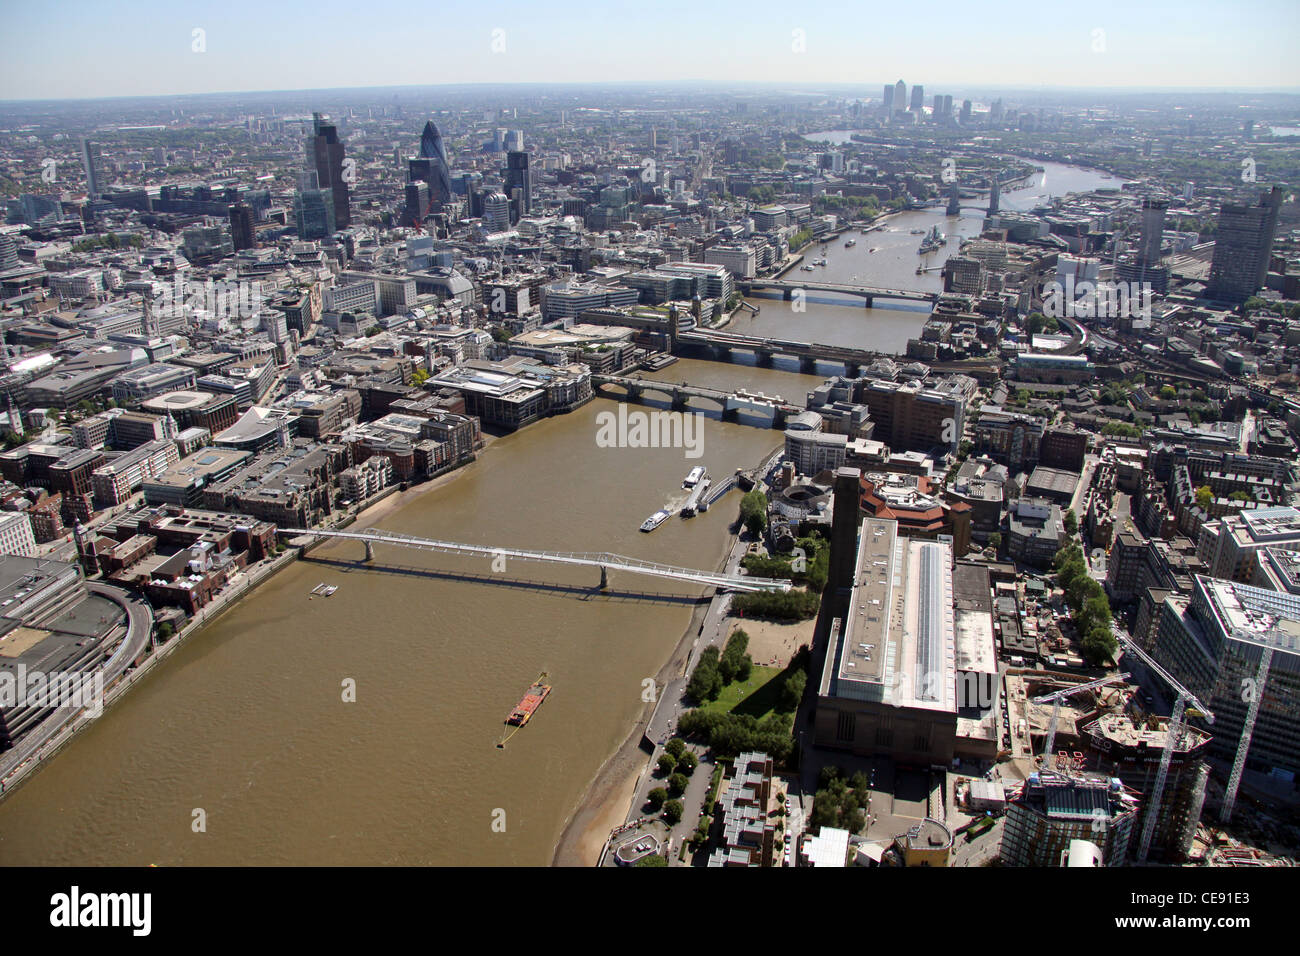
675 747
735 662
792 691
653 860
793 605
1037 322
677 784
729 733
706 682
673 811
1095 612
1069 565
753 511
656 797
995 540
1081 587
800 239
687 763
1204 497
667 764
826 809
1099 645
828 775
1071 522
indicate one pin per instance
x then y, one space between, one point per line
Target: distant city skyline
159 49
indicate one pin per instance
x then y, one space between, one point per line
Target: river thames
247 720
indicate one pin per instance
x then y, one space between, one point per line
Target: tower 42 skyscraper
325 156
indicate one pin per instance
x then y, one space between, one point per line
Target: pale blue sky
81 48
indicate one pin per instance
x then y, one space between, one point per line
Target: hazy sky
84 48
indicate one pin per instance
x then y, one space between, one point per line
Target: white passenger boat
655 520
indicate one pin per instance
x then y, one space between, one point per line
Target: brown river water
247 721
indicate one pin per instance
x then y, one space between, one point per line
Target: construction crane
1173 735
1057 696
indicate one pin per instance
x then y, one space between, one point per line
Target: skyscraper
900 97
889 98
1144 264
496 212
918 98
241 226
436 171
417 202
8 253
325 156
1242 245
1153 230
313 207
93 162
965 112
518 182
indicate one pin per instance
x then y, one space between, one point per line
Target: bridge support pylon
870 300
679 402
778 419
604 577
852 370
763 357
731 414
808 365
370 551
788 294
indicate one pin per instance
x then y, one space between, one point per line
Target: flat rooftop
1282 568
1055 481
1267 526
1254 615
862 657
177 400
198 466
898 643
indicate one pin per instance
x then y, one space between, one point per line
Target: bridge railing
603 559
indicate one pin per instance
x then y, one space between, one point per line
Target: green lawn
756 696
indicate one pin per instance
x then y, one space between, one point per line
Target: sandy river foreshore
606 802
